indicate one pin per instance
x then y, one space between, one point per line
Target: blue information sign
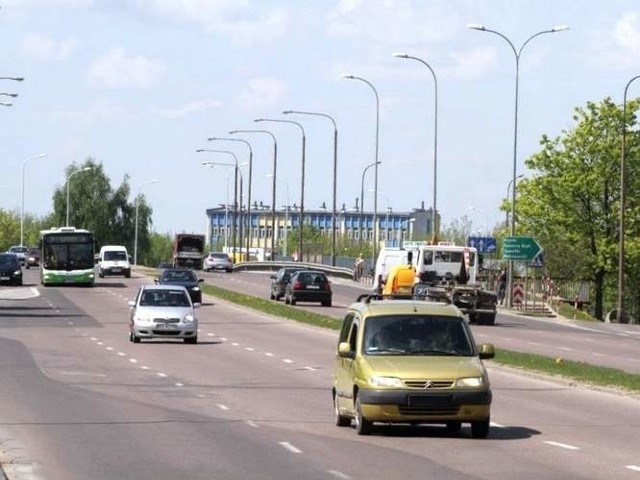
482 244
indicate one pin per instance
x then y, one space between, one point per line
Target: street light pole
304 142
135 241
235 189
362 197
273 186
249 188
620 313
517 53
506 225
335 176
434 223
376 163
68 179
24 164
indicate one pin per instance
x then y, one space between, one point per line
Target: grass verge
557 367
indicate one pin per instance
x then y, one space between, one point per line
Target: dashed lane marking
562 445
289 447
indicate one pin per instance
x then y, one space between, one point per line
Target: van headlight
189 318
385 382
471 382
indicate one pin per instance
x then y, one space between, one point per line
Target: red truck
188 250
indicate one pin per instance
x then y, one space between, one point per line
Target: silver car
218 261
163 311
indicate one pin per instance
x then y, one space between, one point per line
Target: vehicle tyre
292 300
229 270
341 420
28 266
454 427
131 336
473 318
272 296
286 299
480 429
326 303
136 339
100 274
363 426
127 275
486 318
191 340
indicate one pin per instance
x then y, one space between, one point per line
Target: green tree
571 203
160 249
96 206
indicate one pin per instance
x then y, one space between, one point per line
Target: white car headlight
141 319
189 318
385 382
196 289
17 272
471 382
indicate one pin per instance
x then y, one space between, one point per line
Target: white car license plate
313 287
5 278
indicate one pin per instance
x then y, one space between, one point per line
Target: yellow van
413 362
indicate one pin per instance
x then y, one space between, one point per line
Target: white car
21 252
163 311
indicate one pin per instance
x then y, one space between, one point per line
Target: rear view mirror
344 350
487 350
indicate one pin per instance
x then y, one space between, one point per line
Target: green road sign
520 248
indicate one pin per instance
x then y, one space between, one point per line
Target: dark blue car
184 277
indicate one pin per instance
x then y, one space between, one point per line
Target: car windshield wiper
434 352
384 351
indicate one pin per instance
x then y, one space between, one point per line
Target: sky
139 85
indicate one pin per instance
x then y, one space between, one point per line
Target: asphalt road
610 345
252 401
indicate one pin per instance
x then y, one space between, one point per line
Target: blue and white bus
67 257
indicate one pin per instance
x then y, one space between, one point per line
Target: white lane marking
598 354
289 447
100 343
253 424
93 339
235 344
210 334
497 425
133 360
70 323
178 384
122 354
534 343
338 474
222 407
566 349
144 367
269 354
635 468
562 445
249 349
160 374
109 348
287 360
313 369
223 339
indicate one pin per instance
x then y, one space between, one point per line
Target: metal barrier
341 272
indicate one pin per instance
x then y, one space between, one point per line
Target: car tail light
297 286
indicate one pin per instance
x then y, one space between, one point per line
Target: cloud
43 48
117 70
619 48
261 94
101 111
473 63
241 21
186 109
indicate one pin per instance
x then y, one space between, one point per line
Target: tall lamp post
434 223
620 313
335 175
517 53
235 190
68 180
135 240
304 142
506 224
364 171
24 164
273 185
249 229
376 163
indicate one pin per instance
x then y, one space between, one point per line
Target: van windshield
115 255
416 335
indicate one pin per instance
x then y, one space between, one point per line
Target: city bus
67 256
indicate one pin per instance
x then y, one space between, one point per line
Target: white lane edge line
561 445
290 447
635 468
497 425
338 474
253 424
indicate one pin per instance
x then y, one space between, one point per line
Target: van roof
113 247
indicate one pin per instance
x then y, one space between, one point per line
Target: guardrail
341 272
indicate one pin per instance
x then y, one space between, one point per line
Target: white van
114 260
387 258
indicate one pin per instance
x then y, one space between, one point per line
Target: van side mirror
344 350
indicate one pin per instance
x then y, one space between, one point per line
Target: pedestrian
359 268
502 286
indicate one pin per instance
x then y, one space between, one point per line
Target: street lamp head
258 119
560 28
400 55
346 75
287 112
6 104
476 26
200 150
12 95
